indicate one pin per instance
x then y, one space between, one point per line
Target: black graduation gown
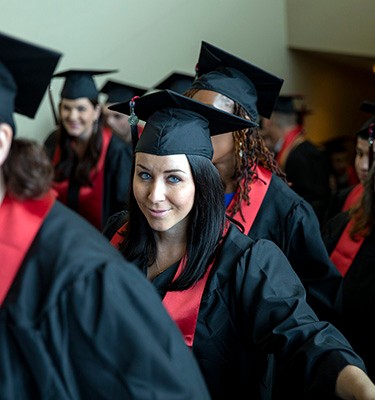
81 323
289 221
254 304
307 168
117 170
358 292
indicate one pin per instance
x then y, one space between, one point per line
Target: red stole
291 140
20 221
353 197
258 191
345 251
90 197
182 306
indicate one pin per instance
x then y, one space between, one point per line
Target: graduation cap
176 124
25 72
80 83
177 81
253 88
118 92
367 131
291 104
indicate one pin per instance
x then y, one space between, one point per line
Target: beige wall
146 39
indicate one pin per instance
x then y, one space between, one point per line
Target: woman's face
223 144
164 190
78 116
361 159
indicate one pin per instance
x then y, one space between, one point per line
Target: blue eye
144 176
174 179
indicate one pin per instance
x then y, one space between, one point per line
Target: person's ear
6 137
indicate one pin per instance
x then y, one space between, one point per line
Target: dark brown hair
28 172
362 214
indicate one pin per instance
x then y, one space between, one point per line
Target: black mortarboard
80 83
118 92
253 88
176 124
177 81
291 104
25 72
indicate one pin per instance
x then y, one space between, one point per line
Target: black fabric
358 292
120 92
307 169
254 89
249 309
177 81
25 72
80 83
81 323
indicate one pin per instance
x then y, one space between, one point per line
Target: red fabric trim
346 250
353 197
182 306
258 191
90 197
20 221
288 142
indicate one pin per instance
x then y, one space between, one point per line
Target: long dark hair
28 171
207 219
249 152
69 166
363 213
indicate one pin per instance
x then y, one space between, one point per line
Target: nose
73 114
157 191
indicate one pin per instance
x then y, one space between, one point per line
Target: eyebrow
168 171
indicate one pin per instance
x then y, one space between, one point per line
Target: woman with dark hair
235 300
350 240
92 165
77 321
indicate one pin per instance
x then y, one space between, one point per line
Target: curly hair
28 171
363 213
207 220
249 152
68 164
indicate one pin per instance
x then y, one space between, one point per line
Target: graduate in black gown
235 299
256 193
306 165
76 320
350 240
92 165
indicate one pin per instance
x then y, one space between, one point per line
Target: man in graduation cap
76 320
234 299
256 194
306 165
92 165
118 92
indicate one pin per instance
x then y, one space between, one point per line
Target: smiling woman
220 286
92 165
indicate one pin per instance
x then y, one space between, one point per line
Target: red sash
182 306
291 140
90 197
353 197
345 251
20 221
258 190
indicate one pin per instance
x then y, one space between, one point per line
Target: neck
2 187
